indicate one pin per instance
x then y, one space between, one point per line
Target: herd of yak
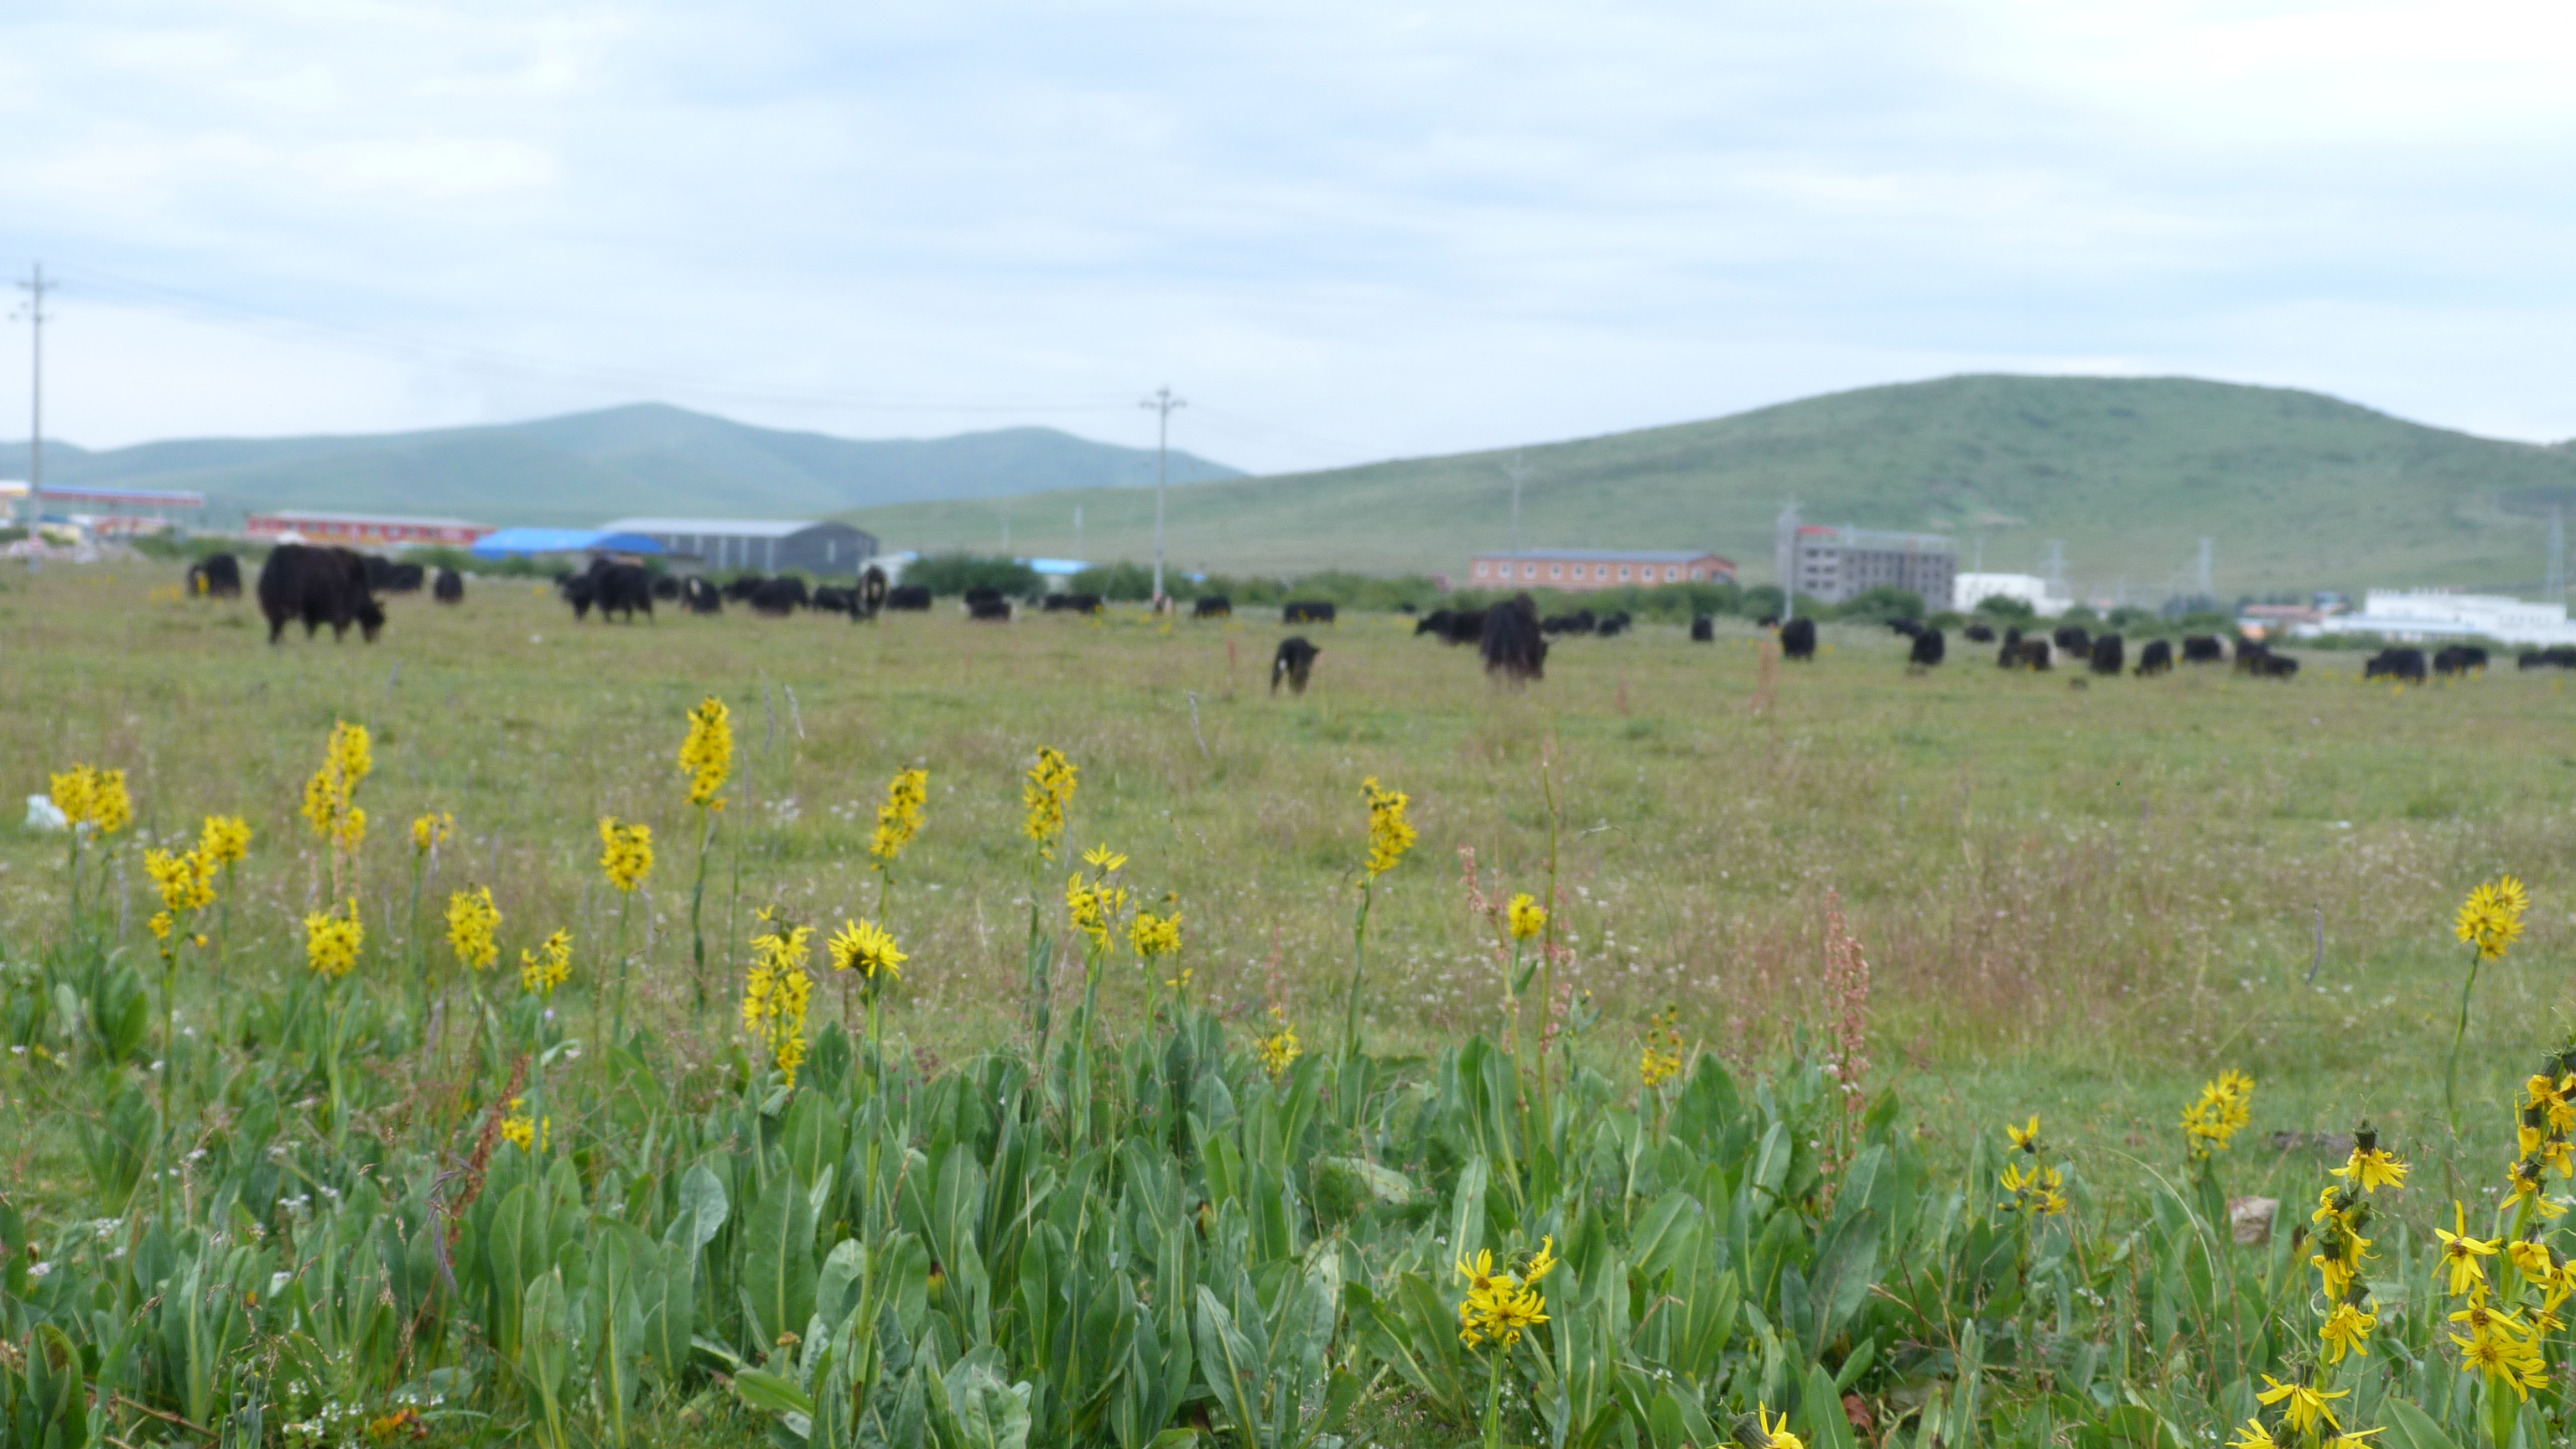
337 586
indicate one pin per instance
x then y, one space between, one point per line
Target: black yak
2155 658
1461 626
1704 629
914 598
319 586
1907 627
2020 653
1294 662
448 587
699 596
1929 648
666 589
1514 648
1578 622
1612 624
988 605
833 599
2404 665
1978 634
216 576
1307 611
1072 604
2072 639
619 588
2460 659
2203 649
405 578
1798 640
1435 623
778 598
740 588
1212 606
2269 665
872 593
2109 655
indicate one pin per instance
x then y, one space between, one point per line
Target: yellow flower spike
473 924
1528 917
1279 1050
1047 794
429 831
2461 1253
899 818
225 839
547 967
625 853
1390 833
332 942
1152 935
706 755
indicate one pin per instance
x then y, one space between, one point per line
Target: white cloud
1347 229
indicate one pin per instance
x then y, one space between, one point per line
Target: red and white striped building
362 528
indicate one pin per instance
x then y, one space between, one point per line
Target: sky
1341 230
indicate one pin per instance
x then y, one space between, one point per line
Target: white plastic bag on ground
44 814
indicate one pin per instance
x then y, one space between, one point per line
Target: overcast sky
1344 229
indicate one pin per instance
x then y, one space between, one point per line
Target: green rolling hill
589 467
2298 490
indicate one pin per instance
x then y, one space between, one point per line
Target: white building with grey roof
814 546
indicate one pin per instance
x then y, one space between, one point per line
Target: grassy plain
2077 899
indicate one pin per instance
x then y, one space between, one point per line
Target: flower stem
1359 965
2451 1078
1494 1404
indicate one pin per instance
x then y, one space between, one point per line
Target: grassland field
2079 898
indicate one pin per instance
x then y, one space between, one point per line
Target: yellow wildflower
523 1132
2491 917
1104 860
899 818
2461 1253
2252 1436
2372 1168
1528 916
225 839
1390 834
331 796
332 942
2024 1139
2347 1330
429 831
869 949
2307 1407
547 967
706 756
1048 794
94 798
1152 935
186 882
1279 1050
473 922
625 853
2224 1108
1775 1434
777 991
1660 1057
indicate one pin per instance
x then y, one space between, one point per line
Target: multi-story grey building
1832 565
770 546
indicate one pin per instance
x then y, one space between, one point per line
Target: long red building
363 528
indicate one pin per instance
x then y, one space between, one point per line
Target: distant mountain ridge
648 458
2294 489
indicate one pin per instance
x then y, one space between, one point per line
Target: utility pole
34 311
2057 567
1162 402
2204 568
1519 472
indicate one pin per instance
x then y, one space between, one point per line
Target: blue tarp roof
505 542
1056 567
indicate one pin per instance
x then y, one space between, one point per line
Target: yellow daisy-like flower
523 1132
93 798
225 839
2253 1436
2461 1254
706 755
186 881
2024 1139
2224 1108
1390 833
2491 918
2372 1168
331 796
1528 917
547 967
625 853
2346 1330
332 942
867 948
1104 860
473 924
1279 1050
1152 935
1047 794
1775 1433
2307 1408
777 992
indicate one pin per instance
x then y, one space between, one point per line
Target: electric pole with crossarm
1162 402
34 311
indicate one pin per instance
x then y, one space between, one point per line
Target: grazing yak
1704 629
2404 665
833 599
2204 649
1071 604
988 606
1929 648
1212 606
1798 640
1978 634
612 588
700 596
2072 639
2556 656
1294 662
1459 626
2109 655
2020 653
912 598
872 593
1435 623
448 587
1578 622
2460 659
2256 658
406 578
778 598
1910 628
319 586
1513 645
740 588
1307 611
216 576
666 588
1612 625
2155 658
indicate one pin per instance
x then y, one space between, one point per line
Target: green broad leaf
778 1261
2411 1428
771 1393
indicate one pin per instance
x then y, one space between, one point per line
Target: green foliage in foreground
328 1239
